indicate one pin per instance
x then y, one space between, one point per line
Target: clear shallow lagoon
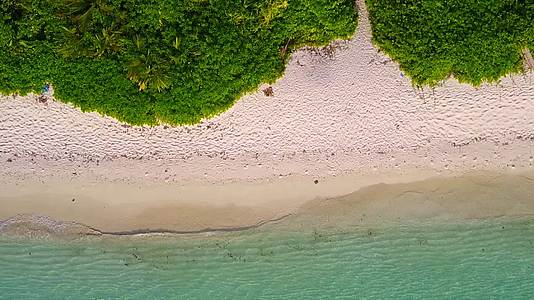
471 259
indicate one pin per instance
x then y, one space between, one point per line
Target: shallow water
469 259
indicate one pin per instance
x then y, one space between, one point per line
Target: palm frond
148 71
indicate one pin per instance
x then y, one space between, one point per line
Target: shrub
146 61
473 40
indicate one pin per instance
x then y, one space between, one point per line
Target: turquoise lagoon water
481 259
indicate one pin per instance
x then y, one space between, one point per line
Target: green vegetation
473 40
146 61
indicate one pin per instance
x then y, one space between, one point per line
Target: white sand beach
334 125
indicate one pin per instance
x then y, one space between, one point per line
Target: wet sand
474 195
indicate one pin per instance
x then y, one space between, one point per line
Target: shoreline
454 197
136 209
130 206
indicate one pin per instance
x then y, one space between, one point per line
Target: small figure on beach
45 89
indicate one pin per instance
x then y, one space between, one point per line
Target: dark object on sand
42 99
268 91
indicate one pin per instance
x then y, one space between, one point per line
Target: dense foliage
146 61
473 40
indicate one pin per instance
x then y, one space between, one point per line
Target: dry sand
347 121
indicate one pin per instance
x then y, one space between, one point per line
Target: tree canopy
472 40
151 61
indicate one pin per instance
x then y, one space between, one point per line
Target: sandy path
528 58
351 115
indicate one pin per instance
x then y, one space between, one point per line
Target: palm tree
82 11
73 47
86 38
15 10
148 71
108 42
